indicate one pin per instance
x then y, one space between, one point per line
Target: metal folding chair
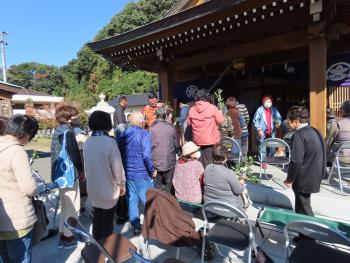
115 248
337 164
141 259
314 243
225 232
273 160
234 148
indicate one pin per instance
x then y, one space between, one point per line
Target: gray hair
161 113
136 118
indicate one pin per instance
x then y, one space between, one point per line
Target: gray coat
221 184
163 145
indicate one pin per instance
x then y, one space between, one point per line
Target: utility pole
3 44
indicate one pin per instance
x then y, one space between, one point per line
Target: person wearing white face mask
267 120
188 177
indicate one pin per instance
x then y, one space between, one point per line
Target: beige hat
189 148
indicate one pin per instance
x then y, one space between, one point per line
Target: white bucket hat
188 148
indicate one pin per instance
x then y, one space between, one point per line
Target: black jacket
308 160
119 116
72 147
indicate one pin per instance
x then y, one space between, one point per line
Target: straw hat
189 148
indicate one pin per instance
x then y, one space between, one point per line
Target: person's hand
242 181
81 176
122 191
154 173
287 183
261 133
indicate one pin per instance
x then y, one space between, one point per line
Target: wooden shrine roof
191 37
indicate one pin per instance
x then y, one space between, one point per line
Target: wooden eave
215 25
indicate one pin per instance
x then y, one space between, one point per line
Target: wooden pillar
318 83
165 86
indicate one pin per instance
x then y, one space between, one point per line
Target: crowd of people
146 152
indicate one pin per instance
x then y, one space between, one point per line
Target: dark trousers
303 203
102 222
17 250
164 180
206 155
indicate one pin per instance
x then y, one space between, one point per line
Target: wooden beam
318 83
165 86
287 41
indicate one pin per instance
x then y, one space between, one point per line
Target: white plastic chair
337 164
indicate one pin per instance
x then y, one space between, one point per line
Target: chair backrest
224 210
231 144
316 231
344 146
82 235
274 143
138 257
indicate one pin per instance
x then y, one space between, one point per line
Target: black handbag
40 226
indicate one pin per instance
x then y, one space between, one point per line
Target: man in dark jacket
163 150
308 160
119 116
135 146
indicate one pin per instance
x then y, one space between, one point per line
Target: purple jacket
163 145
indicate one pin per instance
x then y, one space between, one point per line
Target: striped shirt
244 112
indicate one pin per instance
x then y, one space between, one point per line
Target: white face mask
268 104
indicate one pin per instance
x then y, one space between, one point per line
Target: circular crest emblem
338 71
191 91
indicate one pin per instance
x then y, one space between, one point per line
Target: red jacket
204 118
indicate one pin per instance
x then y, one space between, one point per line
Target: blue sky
52 31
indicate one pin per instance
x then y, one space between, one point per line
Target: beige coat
17 186
103 170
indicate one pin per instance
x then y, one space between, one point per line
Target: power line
3 59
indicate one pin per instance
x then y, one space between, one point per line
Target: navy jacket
135 145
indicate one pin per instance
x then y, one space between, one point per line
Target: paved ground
47 251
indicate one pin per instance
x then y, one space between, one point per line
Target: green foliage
247 173
136 14
35 76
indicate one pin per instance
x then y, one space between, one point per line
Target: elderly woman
188 175
17 186
220 183
339 133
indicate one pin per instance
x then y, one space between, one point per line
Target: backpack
64 174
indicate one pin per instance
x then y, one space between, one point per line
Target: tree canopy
84 77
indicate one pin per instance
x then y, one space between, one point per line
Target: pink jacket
204 119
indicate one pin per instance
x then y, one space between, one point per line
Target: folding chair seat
314 243
310 251
226 232
140 259
229 234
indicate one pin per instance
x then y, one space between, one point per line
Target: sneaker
70 244
61 243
